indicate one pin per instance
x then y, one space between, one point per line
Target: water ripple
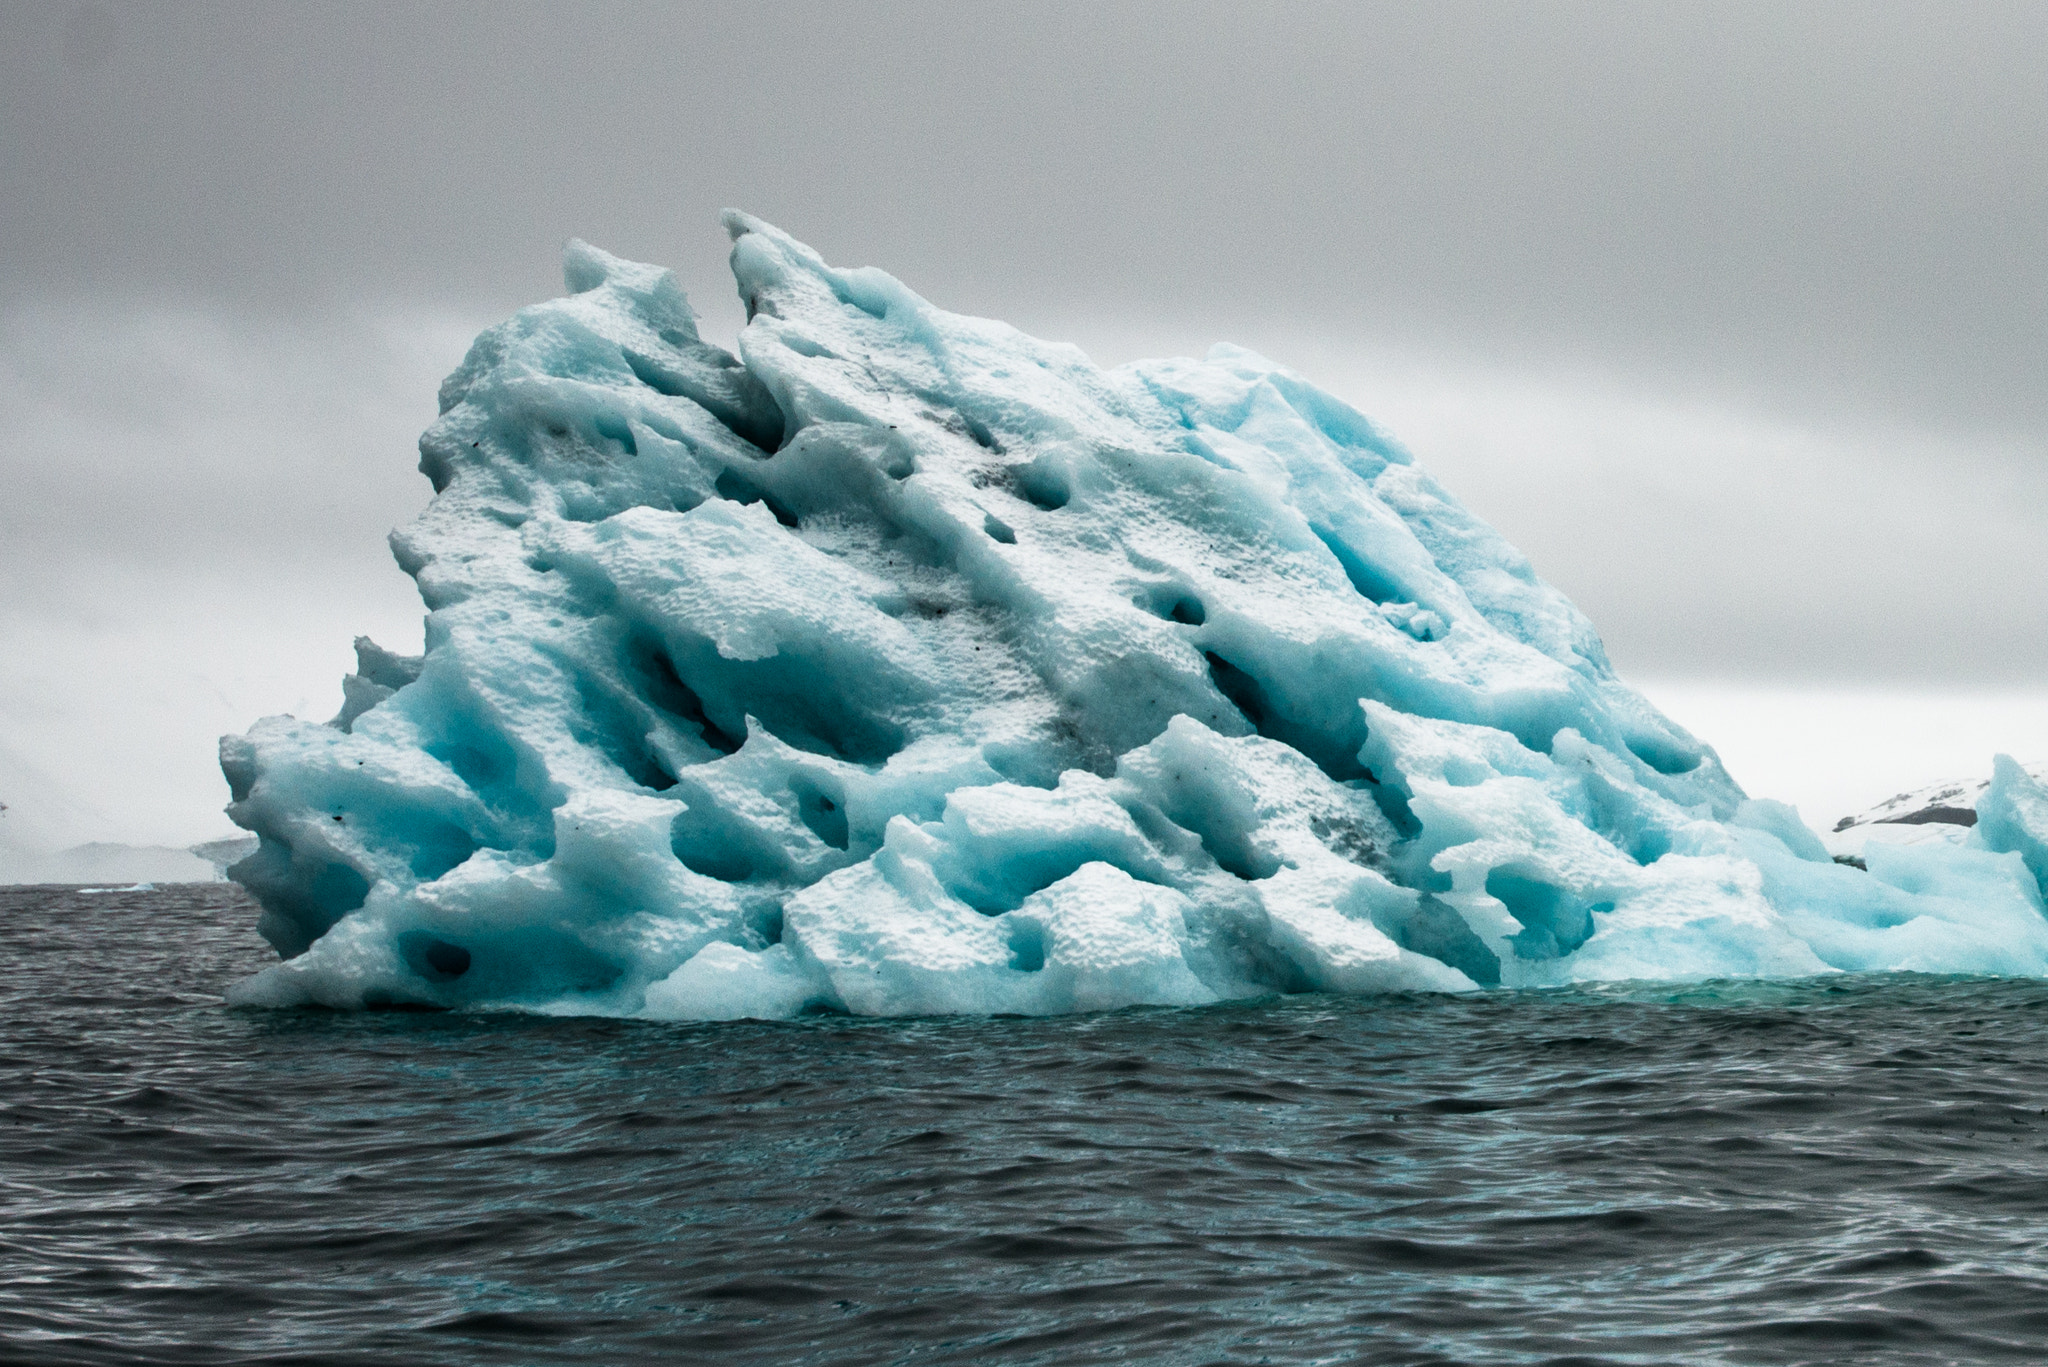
1830 1171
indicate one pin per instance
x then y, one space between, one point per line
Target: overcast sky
1731 316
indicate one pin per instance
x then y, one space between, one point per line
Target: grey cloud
186 441
192 532
1824 203
1731 316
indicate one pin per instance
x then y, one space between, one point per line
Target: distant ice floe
905 664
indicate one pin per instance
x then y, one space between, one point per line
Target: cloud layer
196 533
1732 317
1828 204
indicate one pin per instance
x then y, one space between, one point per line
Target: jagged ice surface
907 664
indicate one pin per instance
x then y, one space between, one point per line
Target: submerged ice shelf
907 664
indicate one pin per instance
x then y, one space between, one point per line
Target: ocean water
1849 1171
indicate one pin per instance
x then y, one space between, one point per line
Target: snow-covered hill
1939 813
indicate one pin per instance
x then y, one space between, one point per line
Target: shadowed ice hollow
906 664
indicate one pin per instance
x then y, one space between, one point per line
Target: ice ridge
907 664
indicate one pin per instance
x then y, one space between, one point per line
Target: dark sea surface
1852 1170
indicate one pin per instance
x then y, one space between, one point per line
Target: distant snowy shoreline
111 862
1938 813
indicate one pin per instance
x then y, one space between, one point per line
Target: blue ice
906 664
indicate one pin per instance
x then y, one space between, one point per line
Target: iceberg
906 664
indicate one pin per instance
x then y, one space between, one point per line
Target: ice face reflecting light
905 664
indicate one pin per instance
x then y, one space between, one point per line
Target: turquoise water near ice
1842 1170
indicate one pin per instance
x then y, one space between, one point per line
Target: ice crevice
902 663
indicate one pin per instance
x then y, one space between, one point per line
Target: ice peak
907 663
